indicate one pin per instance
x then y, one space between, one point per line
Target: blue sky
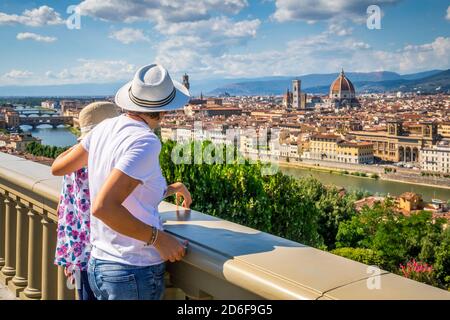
217 38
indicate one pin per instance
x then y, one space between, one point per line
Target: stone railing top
268 266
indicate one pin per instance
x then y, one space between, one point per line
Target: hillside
364 82
428 84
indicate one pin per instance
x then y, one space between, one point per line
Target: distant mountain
420 75
318 83
431 83
311 83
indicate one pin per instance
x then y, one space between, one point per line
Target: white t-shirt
130 146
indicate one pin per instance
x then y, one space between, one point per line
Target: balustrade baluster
49 270
2 230
34 276
9 269
19 282
64 292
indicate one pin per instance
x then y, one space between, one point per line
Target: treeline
306 211
384 237
42 150
28 101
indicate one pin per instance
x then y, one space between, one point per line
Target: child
73 245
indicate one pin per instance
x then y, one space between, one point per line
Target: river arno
60 137
380 187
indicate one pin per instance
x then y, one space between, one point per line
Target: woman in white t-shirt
129 246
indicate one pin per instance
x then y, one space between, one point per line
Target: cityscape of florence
309 159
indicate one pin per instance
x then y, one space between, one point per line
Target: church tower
186 81
296 94
287 99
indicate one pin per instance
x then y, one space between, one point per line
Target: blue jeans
84 289
116 281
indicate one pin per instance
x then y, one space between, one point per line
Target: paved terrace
6 294
224 260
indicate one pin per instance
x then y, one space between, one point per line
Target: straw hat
94 113
152 90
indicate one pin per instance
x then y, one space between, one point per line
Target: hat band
149 103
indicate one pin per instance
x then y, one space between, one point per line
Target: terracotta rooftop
342 83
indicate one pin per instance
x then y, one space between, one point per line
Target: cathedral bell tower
186 81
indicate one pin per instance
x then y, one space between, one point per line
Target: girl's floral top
73 247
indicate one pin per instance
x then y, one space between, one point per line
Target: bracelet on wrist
153 237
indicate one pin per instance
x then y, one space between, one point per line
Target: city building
444 130
19 142
12 119
221 111
168 133
296 94
367 201
332 147
323 147
215 102
409 201
400 142
2 122
354 152
342 92
71 105
287 99
303 103
436 158
50 104
295 100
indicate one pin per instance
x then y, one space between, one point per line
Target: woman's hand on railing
169 247
180 191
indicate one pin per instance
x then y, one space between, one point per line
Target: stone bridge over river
53 121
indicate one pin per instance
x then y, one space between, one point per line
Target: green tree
407 237
442 260
363 255
38 149
360 230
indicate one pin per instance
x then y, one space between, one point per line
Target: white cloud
315 10
37 17
35 37
339 29
158 11
218 26
129 35
200 25
448 13
360 45
213 36
308 55
95 71
18 74
198 43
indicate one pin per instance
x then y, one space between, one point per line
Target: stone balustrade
224 260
